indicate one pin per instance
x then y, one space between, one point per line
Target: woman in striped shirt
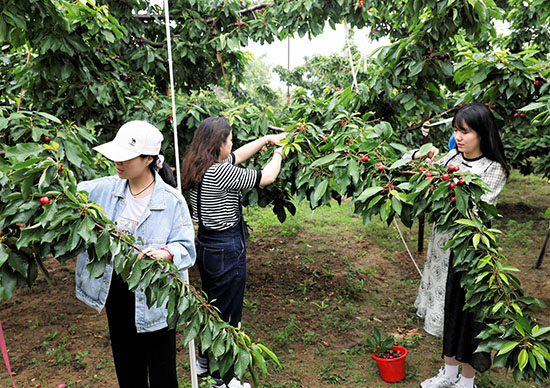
214 182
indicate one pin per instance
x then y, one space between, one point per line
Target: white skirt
430 302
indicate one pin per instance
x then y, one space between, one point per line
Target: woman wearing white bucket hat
142 203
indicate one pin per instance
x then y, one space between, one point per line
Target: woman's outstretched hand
275 139
155 253
430 154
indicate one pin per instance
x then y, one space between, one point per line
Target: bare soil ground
312 297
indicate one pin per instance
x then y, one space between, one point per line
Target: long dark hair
204 150
165 171
480 118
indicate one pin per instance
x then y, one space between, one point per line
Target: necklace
135 195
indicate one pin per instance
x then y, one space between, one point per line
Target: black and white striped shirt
221 189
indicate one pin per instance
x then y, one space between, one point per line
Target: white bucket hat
133 139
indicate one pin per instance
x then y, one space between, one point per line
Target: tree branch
439 115
176 276
147 17
151 43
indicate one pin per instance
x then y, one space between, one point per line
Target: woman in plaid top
440 298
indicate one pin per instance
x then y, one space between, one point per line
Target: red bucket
393 369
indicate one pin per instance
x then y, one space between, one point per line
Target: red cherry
457 168
342 122
45 200
516 114
431 188
451 168
5 134
537 83
445 177
452 185
453 199
46 139
364 158
428 175
381 168
522 115
460 182
421 168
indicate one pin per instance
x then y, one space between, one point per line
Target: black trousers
221 259
142 360
460 328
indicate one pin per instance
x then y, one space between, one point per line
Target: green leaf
540 358
192 329
522 359
269 353
509 346
425 149
28 235
496 306
353 171
475 240
3 255
464 221
540 331
416 68
461 200
396 205
218 347
49 117
320 191
96 268
206 338
369 192
86 230
327 159
542 351
135 275
243 360
22 151
102 245
399 163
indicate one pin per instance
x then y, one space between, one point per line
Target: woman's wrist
168 252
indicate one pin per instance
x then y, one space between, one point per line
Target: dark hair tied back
165 171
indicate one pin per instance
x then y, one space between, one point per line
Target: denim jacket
165 223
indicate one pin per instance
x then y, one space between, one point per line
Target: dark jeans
221 260
142 360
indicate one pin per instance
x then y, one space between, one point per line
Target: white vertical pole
354 84
192 356
288 68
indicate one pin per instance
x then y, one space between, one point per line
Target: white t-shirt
128 220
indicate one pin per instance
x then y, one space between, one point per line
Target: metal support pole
288 68
192 356
543 250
